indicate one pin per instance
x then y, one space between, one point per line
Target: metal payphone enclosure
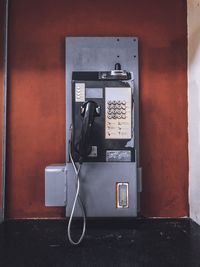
108 189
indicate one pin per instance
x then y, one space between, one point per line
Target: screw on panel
118 66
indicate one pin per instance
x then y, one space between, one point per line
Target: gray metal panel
98 54
55 186
98 180
98 189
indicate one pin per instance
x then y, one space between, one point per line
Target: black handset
89 110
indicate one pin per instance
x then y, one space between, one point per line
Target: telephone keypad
116 107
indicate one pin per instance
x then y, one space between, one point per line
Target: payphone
102 116
101 177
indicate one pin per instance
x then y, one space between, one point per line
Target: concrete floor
141 242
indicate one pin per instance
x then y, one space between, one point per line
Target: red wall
36 126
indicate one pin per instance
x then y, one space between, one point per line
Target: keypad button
116 109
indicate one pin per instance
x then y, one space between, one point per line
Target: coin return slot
122 195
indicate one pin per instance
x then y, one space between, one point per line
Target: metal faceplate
107 189
100 192
118 103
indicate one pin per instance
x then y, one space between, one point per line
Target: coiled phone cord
77 198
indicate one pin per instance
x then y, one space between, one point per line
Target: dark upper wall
36 128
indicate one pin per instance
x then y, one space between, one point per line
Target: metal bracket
55 185
139 180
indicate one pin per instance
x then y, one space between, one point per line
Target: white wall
194 107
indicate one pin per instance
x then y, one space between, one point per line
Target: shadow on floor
141 242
